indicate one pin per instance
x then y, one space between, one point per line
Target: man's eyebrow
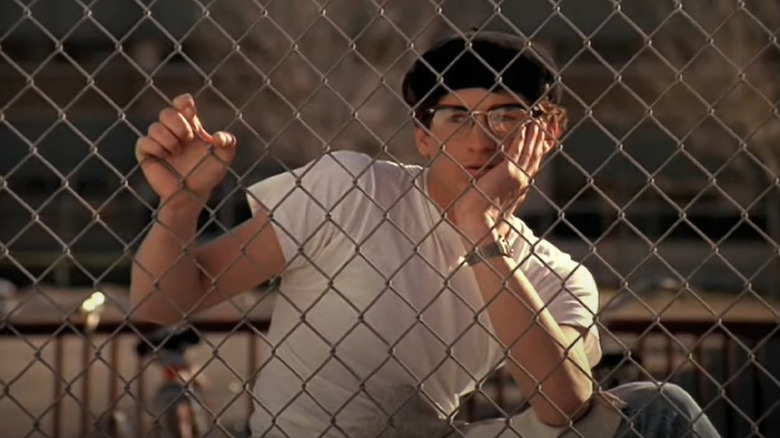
445 106
508 105
500 105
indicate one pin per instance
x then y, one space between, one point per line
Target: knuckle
144 147
183 100
139 145
157 130
170 117
161 114
176 123
161 134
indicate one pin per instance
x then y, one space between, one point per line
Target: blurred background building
671 151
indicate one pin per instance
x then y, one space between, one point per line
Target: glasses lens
449 120
450 116
506 119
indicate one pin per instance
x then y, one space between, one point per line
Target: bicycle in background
115 423
177 406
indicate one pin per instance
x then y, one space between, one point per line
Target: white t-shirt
374 321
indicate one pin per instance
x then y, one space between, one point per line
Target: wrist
481 253
475 226
483 228
179 209
478 233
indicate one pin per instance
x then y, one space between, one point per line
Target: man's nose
480 136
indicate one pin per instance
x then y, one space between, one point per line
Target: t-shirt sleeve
308 206
566 287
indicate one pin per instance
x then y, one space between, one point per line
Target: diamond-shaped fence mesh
353 311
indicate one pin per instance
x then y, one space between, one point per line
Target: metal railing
705 357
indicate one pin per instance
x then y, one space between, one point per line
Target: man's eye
513 116
458 117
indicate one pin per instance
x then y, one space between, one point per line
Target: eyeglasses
502 120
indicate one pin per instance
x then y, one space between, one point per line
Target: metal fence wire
665 186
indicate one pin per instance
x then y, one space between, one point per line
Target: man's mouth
477 171
474 171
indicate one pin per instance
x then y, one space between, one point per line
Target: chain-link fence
665 186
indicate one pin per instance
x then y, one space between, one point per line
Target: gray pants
648 410
666 411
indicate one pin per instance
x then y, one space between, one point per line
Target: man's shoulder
363 168
338 163
541 254
360 162
531 244
351 159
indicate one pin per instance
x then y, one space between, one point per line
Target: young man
402 287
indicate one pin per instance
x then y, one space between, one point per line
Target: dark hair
491 60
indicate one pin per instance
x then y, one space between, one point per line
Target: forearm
165 279
555 376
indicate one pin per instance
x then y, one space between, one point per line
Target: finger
177 124
146 148
528 148
164 137
219 140
201 132
541 147
185 104
550 135
515 145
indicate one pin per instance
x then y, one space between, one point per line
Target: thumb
221 140
185 104
224 146
224 140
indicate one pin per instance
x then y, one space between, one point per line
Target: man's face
469 130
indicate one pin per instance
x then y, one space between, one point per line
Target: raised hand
504 187
178 157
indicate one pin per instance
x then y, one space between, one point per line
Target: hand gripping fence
665 186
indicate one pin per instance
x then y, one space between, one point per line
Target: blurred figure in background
8 296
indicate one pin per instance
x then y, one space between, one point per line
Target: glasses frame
535 115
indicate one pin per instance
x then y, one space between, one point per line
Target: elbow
163 304
143 310
146 314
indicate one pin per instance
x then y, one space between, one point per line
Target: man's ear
426 144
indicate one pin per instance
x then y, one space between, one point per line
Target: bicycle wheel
115 424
